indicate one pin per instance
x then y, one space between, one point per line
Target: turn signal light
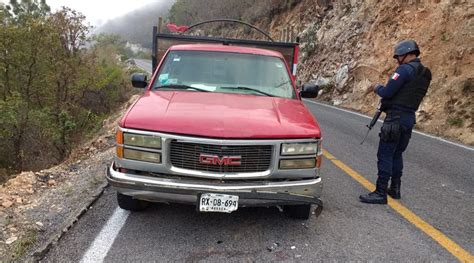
119 136
319 159
119 151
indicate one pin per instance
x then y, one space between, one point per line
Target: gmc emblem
211 159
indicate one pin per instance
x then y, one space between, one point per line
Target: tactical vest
411 94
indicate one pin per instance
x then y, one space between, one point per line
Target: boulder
7 204
341 78
51 183
321 81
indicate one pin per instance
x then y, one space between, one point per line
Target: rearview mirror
139 80
309 90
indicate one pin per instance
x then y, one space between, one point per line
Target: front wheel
129 203
298 211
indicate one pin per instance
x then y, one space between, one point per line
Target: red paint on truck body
221 115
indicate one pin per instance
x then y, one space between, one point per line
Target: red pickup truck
220 125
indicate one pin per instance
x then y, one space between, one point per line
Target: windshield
224 72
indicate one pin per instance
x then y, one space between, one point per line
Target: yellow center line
453 248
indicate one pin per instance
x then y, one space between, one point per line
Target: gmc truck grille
254 158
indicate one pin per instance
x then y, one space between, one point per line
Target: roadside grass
96 180
22 245
69 191
7 221
134 69
327 88
445 37
455 121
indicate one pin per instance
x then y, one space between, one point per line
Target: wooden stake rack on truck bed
163 41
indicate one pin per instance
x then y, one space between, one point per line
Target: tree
22 79
115 42
53 90
28 8
69 34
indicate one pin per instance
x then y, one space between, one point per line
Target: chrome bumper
187 190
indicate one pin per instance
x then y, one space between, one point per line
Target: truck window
224 71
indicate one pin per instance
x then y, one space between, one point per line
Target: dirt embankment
37 207
346 45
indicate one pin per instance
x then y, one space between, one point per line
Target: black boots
394 190
379 196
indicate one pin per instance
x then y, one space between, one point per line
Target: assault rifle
373 121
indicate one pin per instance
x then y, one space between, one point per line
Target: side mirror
139 80
309 90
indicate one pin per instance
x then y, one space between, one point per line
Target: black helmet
406 46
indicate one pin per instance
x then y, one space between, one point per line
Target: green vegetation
327 88
115 42
455 121
187 12
22 245
134 69
445 37
53 90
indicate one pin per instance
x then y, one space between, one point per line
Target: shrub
455 121
53 90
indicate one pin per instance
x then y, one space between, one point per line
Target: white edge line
415 131
98 250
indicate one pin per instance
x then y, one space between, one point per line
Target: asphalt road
438 187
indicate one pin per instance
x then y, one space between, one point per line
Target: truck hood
221 115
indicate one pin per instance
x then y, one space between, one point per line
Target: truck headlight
298 163
141 156
299 148
142 140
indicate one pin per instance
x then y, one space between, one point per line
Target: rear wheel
298 211
129 203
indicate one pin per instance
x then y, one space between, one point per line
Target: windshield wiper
250 89
180 86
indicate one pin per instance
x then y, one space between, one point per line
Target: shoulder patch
395 76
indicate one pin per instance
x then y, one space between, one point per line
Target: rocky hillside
347 45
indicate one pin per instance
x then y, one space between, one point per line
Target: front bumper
187 190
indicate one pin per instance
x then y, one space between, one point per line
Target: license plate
218 203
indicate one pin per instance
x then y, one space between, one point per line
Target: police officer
401 98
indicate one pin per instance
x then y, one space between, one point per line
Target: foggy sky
98 11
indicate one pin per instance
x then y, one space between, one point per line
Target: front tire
129 203
298 211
